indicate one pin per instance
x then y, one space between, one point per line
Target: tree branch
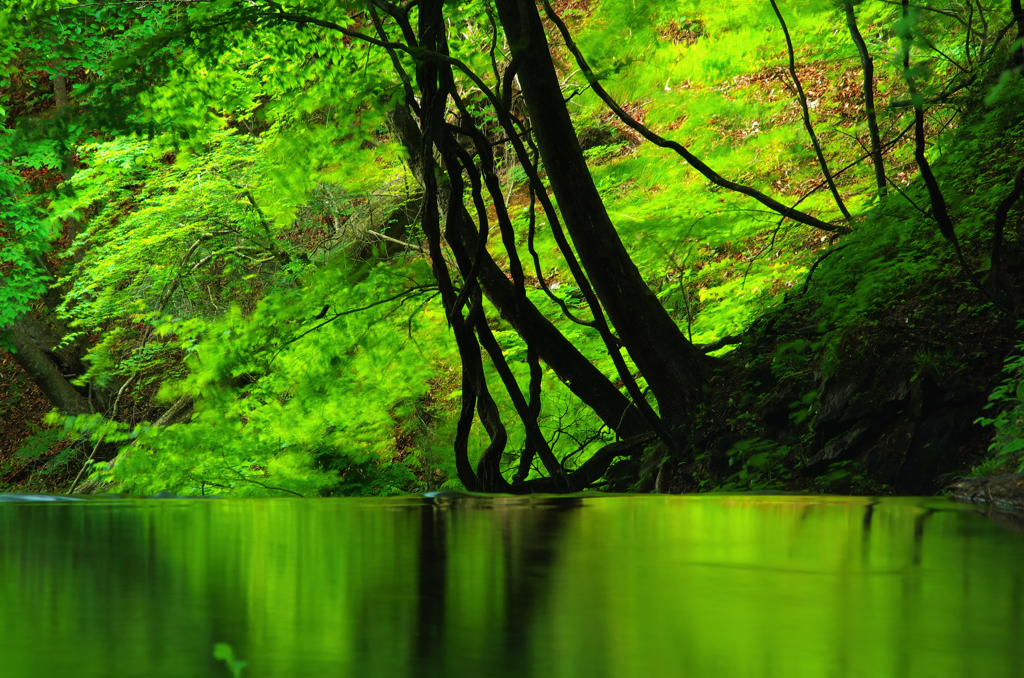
802 98
693 160
868 69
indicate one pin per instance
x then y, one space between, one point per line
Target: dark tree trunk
44 371
587 382
673 367
37 348
37 343
435 84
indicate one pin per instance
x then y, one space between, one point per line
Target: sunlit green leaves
320 400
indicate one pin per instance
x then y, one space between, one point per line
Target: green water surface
606 586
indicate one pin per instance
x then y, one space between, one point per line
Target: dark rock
846 445
650 468
775 410
1005 491
622 474
853 412
881 404
884 459
762 379
933 450
926 396
833 398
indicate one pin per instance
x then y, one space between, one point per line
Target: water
606 586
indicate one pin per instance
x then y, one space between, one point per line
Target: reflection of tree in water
528 574
531 530
432 583
475 587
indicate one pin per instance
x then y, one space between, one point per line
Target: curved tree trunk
585 381
44 371
673 367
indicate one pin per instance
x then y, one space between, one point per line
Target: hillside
255 250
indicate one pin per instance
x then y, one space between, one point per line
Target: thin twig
99 441
802 98
404 244
264 485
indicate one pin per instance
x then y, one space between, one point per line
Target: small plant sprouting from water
227 653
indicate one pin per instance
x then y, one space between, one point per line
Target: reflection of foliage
307 589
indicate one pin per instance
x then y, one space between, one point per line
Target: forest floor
23 408
895 414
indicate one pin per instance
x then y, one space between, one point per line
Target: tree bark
673 367
37 349
44 372
585 381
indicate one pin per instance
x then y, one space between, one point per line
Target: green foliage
233 166
848 477
45 40
1006 403
39 442
761 465
733 116
898 250
289 404
163 234
24 233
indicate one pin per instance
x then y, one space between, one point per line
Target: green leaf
1014 446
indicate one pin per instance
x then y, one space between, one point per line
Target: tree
456 111
41 133
672 367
